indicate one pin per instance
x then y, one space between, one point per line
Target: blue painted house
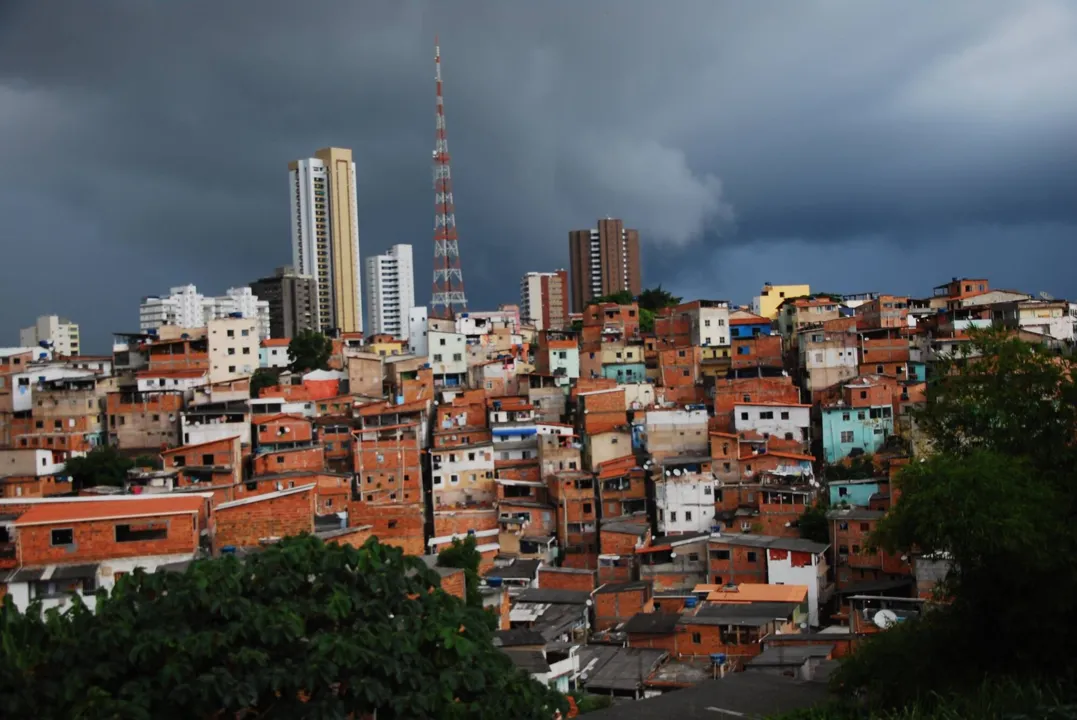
853 492
625 372
746 325
846 428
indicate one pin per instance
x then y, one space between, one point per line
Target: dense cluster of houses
636 496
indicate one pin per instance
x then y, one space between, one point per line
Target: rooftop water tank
690 602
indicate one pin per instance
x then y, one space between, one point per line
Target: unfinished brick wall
455 584
96 540
396 524
612 608
247 524
284 429
312 459
557 579
458 522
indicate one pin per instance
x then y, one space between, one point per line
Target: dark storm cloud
144 144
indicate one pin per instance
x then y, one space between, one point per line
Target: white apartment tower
62 333
185 307
390 290
325 236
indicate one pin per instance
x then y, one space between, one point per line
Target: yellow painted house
771 296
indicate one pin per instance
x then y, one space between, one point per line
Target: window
846 436
246 350
688 516
392 524
863 394
720 554
587 508
142 531
231 351
751 556
673 516
707 490
457 357
845 417
744 416
231 368
785 414
441 341
280 459
64 536
697 638
207 459
231 333
766 415
437 358
864 527
706 323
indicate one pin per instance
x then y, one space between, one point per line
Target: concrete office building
390 289
290 297
61 332
325 236
603 261
544 300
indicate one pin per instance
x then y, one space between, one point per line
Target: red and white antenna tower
448 297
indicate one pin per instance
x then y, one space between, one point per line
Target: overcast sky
853 145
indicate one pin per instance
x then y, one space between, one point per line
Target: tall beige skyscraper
325 236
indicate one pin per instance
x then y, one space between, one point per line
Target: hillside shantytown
635 469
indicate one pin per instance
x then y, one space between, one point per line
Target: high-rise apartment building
390 289
325 236
185 307
544 300
603 261
291 298
61 332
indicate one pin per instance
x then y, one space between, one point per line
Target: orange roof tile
753 320
85 511
262 420
754 592
276 342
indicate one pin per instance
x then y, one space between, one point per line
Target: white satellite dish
885 618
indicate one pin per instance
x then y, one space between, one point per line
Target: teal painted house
852 492
847 428
625 372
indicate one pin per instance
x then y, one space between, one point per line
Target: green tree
655 299
813 524
309 350
148 461
263 378
623 297
858 468
999 499
104 465
301 630
466 556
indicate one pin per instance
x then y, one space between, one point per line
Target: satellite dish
1047 296
885 618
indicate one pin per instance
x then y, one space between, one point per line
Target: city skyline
733 172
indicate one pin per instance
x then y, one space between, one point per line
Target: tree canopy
263 378
466 556
301 630
998 500
104 465
309 350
